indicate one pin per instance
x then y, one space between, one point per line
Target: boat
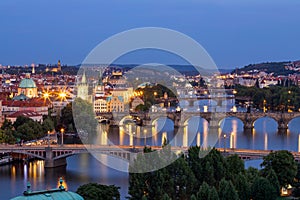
6 160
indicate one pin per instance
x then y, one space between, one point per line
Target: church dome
27 83
59 195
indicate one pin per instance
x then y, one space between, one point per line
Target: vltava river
84 168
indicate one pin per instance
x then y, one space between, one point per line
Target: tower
83 88
33 69
99 88
58 66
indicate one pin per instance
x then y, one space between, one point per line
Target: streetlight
48 139
62 136
264 104
224 139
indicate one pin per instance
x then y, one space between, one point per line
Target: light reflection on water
85 168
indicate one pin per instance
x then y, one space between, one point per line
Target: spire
33 69
58 66
100 82
83 80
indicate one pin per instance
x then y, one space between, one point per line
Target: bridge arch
187 120
162 126
102 119
268 118
235 120
128 119
294 122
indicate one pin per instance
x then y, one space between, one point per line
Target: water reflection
196 132
85 168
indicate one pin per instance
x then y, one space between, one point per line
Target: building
83 88
125 93
34 105
32 115
27 87
135 102
100 105
115 104
117 79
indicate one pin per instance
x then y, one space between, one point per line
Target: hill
278 68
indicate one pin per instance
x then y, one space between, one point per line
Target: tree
283 164
251 174
227 191
262 189
182 180
213 194
67 117
214 167
235 165
194 163
272 178
47 125
203 192
20 121
296 183
95 191
242 186
85 120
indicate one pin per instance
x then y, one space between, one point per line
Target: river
85 168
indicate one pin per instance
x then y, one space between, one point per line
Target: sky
235 33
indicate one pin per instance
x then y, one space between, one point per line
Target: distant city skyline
234 33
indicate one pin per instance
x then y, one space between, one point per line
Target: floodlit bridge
214 119
55 155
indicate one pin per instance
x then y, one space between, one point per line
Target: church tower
58 66
83 88
99 88
33 68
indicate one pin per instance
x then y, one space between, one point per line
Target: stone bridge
56 155
213 118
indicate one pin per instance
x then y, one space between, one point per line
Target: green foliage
251 174
67 117
141 108
273 179
203 192
214 167
227 191
48 125
234 166
213 194
278 98
242 186
85 120
283 164
211 177
262 189
296 183
270 67
95 191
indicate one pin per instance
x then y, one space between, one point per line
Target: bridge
181 119
55 155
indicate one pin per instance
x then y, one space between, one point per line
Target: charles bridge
181 119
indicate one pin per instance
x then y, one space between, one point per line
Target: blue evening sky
234 32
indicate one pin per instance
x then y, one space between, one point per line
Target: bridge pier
282 126
50 162
248 127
